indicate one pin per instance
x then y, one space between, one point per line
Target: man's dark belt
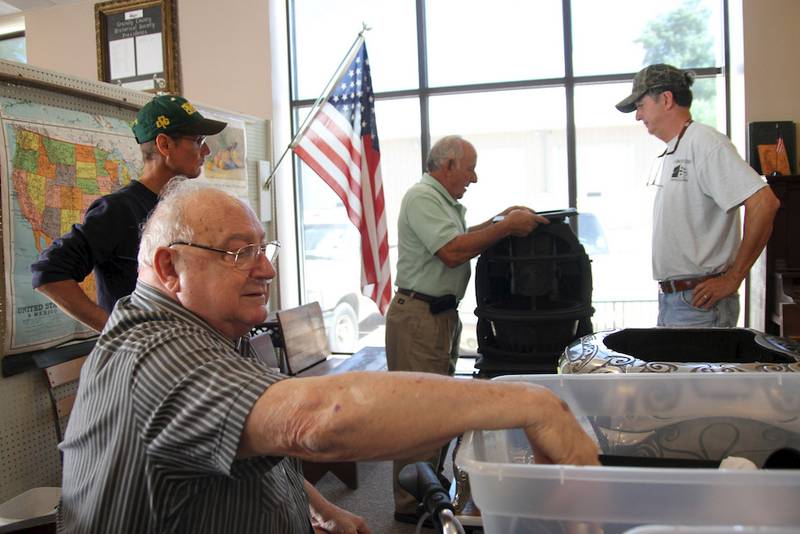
437 305
673 286
416 295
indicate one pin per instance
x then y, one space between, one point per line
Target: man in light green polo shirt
435 247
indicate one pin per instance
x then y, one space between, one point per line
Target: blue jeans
675 309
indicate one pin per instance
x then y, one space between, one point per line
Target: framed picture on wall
772 147
137 44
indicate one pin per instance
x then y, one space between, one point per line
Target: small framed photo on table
137 44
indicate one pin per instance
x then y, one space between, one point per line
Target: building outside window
533 86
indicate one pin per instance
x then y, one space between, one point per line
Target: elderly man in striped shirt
178 428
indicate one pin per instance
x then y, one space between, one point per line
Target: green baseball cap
171 115
652 77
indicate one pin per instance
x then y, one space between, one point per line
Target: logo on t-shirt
680 172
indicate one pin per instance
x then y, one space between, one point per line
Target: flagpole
348 58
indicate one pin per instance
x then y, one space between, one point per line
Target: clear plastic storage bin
679 416
682 529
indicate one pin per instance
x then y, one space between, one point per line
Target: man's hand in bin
556 436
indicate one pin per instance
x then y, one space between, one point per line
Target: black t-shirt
107 243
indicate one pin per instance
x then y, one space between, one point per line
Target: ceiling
16 7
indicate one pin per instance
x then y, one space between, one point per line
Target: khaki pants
417 340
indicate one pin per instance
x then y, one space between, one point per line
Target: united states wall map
55 163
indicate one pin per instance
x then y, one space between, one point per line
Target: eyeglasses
198 140
658 165
244 258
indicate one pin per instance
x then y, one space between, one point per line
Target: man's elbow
310 426
773 203
321 438
451 257
763 205
452 261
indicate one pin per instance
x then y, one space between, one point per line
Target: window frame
424 92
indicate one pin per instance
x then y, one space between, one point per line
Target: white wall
224 49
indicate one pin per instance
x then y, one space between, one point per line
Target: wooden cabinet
779 268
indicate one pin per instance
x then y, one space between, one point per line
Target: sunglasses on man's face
197 140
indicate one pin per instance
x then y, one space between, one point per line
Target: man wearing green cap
699 257
171 134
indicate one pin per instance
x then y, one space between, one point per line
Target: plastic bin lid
687 529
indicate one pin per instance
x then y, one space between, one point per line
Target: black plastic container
534 297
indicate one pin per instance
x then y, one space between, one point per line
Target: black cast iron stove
534 298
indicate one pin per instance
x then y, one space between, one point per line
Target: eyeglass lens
246 256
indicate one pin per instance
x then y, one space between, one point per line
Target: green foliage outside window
681 38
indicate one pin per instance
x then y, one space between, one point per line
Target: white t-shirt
696 225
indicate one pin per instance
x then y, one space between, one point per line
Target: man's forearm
759 215
360 416
468 245
71 299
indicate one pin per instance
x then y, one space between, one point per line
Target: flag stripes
341 146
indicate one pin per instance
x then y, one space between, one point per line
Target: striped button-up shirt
152 439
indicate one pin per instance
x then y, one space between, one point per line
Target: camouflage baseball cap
172 115
653 77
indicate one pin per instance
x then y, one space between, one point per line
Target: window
474 41
12 47
535 94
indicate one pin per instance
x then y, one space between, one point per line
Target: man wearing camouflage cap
171 134
699 257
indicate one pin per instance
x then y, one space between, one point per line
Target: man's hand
512 208
522 221
71 299
558 438
339 521
326 517
707 294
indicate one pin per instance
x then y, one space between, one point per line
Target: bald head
187 212
205 249
450 147
452 162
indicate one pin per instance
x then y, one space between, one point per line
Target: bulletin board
137 44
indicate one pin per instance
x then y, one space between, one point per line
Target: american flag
780 146
341 145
